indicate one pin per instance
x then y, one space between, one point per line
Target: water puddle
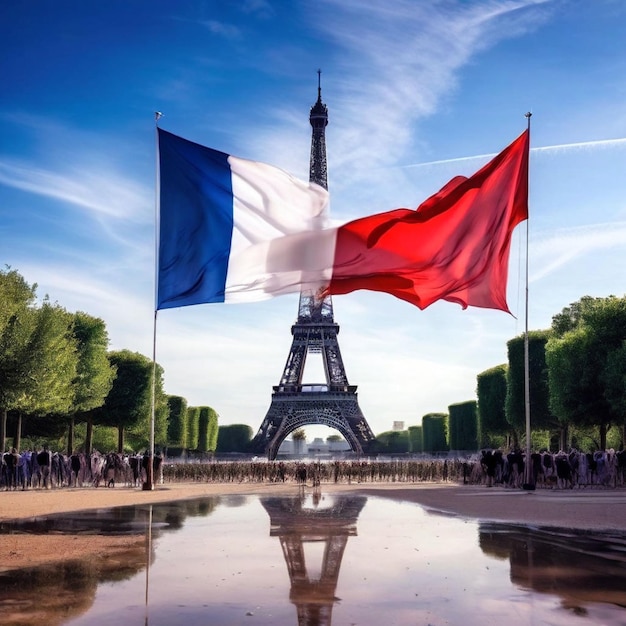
315 560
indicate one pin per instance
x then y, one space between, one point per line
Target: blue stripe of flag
195 222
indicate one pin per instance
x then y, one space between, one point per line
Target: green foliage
463 426
128 405
434 432
193 427
234 438
139 434
393 442
177 423
15 296
49 367
55 371
207 429
614 378
299 434
53 356
298 437
18 320
416 439
105 440
586 363
542 417
94 372
491 393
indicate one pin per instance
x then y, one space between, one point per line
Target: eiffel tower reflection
299 521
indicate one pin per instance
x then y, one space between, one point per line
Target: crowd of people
45 469
557 470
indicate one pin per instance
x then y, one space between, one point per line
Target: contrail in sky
603 143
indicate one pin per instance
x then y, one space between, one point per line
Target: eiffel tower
334 403
297 525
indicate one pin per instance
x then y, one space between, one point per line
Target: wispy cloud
96 188
553 252
230 31
403 58
580 145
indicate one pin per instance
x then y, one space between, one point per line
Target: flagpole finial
158 115
528 115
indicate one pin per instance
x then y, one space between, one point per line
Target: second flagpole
529 481
149 484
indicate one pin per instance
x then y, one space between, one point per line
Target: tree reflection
579 567
66 588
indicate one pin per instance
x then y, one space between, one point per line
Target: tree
614 376
193 425
299 438
583 359
234 438
51 359
207 429
491 393
177 423
434 432
393 442
463 426
416 439
570 317
541 415
94 372
130 398
16 299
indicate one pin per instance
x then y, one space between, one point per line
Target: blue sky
417 93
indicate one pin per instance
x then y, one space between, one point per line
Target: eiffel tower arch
334 402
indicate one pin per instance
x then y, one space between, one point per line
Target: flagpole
149 484
529 483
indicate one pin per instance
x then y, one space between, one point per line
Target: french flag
233 230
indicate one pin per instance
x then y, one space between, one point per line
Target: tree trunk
3 430
89 435
17 440
70 437
120 439
564 432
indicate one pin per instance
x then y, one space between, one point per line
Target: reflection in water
62 590
579 567
297 522
67 588
216 561
148 559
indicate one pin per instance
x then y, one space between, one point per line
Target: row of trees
577 377
577 390
57 375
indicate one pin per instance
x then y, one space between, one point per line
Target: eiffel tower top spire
318 117
312 308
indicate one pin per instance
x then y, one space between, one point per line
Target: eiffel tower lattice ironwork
334 403
297 526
